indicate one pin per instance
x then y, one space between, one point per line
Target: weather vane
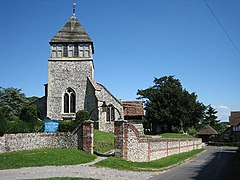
74 9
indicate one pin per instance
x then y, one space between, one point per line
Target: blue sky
135 41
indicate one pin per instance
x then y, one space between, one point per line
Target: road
217 163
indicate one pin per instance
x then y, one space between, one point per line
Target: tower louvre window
65 51
70 51
69 101
54 51
59 51
84 50
75 51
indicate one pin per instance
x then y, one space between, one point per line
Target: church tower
70 72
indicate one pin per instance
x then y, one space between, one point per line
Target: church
71 86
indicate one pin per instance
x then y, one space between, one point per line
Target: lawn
103 141
175 135
66 178
44 157
156 165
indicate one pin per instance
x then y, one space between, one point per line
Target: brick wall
81 138
130 146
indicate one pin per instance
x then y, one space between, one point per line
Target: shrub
29 114
2 123
17 126
66 126
81 116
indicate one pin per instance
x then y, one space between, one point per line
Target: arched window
69 102
110 113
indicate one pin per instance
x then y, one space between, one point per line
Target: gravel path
83 170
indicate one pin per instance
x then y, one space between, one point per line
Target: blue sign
51 126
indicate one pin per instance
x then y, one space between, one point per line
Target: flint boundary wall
130 146
81 138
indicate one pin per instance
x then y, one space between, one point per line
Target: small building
232 134
206 132
133 111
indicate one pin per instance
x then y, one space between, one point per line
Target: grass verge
103 141
67 178
156 165
175 135
44 157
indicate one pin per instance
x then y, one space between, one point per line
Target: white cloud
223 112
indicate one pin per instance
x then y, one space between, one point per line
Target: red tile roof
234 119
133 108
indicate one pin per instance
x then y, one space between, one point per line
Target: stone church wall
67 74
81 138
104 95
130 146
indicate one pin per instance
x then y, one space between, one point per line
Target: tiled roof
234 119
133 108
71 32
207 130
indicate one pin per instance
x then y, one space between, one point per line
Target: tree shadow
224 165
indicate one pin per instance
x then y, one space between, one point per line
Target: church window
65 53
59 51
84 50
110 116
54 51
75 51
70 51
69 102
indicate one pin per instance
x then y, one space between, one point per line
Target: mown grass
44 157
156 165
175 135
66 178
103 141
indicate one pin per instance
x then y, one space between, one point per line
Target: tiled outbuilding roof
234 119
207 130
71 32
133 108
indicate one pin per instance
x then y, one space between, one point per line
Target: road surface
217 163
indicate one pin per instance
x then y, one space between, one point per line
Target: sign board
51 126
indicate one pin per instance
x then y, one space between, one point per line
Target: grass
44 157
103 141
66 178
175 135
156 165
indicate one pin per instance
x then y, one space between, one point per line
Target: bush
66 126
81 116
28 114
2 123
17 126
70 125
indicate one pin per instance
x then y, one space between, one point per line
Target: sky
134 41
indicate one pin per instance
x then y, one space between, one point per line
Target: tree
211 119
170 106
12 101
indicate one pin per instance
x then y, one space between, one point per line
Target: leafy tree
170 106
211 119
32 99
12 101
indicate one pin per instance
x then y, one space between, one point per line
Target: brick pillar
87 136
120 141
